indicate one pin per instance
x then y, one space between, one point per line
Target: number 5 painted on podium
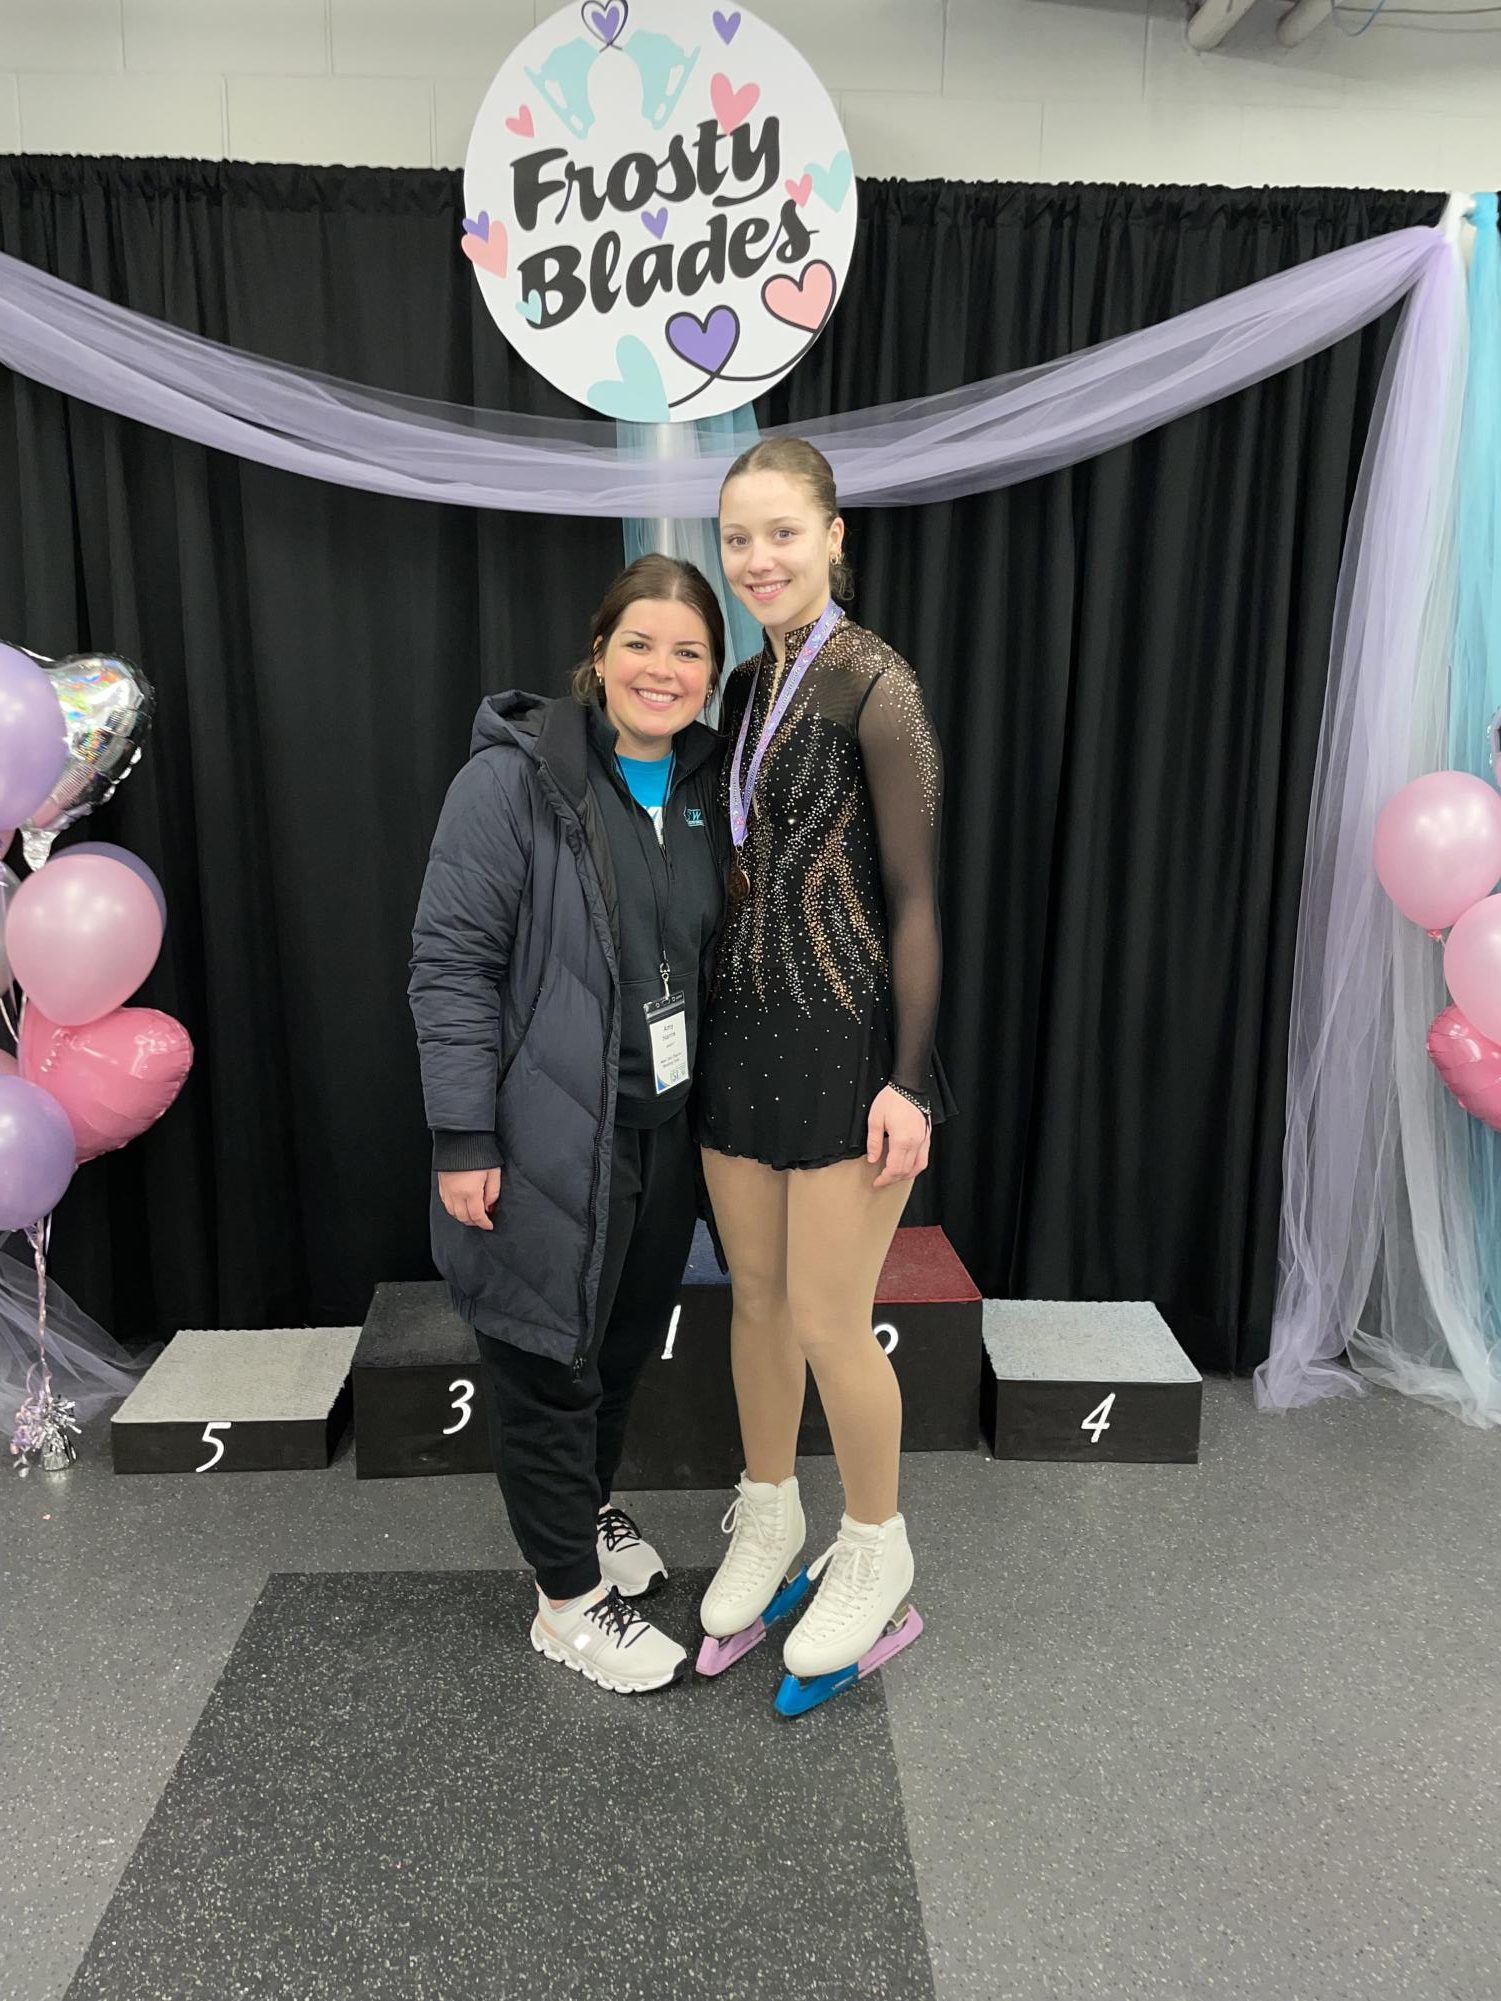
463 1403
1098 1419
209 1438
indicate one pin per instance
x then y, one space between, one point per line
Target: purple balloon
132 862
37 1153
33 736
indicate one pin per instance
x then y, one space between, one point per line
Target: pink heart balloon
1469 1064
113 1077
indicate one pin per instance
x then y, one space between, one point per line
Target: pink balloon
113 1077
82 933
1438 846
1469 1064
1472 965
126 860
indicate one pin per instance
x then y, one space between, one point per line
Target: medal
742 791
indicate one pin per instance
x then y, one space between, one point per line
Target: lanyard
638 813
740 801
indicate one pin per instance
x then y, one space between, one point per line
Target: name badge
667 1024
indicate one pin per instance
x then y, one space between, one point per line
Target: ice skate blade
796 1698
714 1656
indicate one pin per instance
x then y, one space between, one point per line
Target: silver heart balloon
107 705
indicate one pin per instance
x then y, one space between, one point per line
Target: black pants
557 1437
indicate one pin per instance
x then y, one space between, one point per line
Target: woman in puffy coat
567 921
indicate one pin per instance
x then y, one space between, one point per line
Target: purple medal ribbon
740 801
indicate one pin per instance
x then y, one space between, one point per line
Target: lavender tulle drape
1361 1238
969 440
1361 1242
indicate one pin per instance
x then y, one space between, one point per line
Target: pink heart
800 190
801 302
732 107
113 1077
522 123
491 252
1469 1064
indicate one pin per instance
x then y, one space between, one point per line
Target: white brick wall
1049 90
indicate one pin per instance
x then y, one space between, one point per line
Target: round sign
660 206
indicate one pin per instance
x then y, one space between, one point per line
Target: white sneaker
865 1579
604 1638
626 1559
767 1532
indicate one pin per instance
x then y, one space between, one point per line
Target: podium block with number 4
1087 1381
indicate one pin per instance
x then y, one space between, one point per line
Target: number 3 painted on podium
463 1403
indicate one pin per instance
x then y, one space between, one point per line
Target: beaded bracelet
914 1098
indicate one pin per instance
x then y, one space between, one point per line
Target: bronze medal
739 883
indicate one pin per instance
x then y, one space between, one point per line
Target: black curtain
1126 664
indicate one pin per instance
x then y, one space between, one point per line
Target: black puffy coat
515 989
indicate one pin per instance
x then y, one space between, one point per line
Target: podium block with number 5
1087 1381
259 1400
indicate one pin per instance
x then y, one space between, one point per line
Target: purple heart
725 26
709 343
606 22
656 221
478 225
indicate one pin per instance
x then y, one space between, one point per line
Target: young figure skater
817 1088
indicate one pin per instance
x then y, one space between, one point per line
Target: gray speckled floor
386 1798
1227 1731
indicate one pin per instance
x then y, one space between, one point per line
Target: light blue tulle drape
1475 686
721 437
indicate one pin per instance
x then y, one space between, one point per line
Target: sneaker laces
618 1530
618 1618
848 1570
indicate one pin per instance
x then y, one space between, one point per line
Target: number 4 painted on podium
1098 1419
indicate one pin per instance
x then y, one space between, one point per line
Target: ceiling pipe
1304 20
1214 19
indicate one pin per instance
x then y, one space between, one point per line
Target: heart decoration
521 124
832 183
707 343
656 221
732 107
486 244
726 26
637 395
1469 1064
113 1077
606 23
805 301
530 308
800 190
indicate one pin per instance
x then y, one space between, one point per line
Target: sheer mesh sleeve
904 772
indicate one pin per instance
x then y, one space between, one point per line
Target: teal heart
832 183
530 308
638 397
